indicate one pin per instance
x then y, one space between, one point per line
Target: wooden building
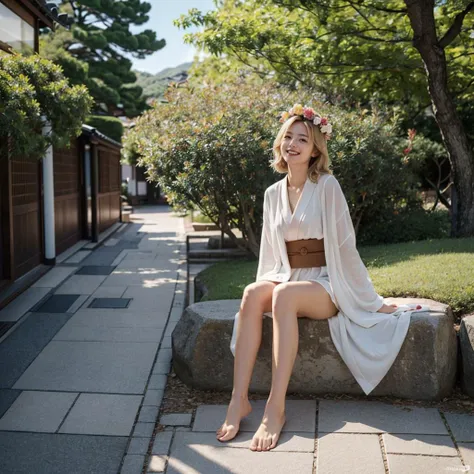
86 176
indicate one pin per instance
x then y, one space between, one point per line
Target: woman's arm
266 260
351 269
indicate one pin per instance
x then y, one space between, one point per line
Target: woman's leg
290 301
256 300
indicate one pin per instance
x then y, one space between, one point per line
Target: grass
438 269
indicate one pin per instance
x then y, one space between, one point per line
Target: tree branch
455 28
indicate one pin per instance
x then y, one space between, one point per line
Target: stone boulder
425 367
466 343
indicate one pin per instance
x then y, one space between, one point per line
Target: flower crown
309 114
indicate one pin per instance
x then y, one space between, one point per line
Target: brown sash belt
306 253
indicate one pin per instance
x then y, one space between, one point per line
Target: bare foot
267 435
237 410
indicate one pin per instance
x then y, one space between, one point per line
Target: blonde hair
317 165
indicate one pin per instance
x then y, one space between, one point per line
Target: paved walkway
83 372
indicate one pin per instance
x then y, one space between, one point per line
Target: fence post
48 200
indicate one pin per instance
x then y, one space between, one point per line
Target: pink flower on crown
309 113
324 121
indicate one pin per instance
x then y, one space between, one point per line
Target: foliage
30 88
442 270
110 126
210 147
349 51
95 50
406 226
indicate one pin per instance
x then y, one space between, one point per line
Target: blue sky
176 52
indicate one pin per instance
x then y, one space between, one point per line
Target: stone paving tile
55 304
162 442
111 303
54 277
25 343
409 464
71 332
37 411
95 270
300 416
109 291
102 414
148 414
432 445
158 381
157 463
143 430
176 419
164 356
288 442
102 256
191 454
7 397
132 464
462 426
78 303
467 452
161 368
45 453
78 256
138 446
377 417
118 318
153 397
80 284
90 367
363 457
166 343
23 303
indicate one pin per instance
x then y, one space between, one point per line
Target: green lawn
442 270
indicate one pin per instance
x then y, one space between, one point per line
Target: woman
308 267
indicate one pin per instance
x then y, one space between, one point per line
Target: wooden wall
26 215
67 196
108 198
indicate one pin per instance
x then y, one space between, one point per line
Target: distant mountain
154 85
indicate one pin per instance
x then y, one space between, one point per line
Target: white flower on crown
317 120
326 128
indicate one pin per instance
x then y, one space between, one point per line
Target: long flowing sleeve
266 261
352 285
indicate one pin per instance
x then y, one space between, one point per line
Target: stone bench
425 368
466 342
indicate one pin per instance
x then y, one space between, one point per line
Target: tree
93 51
371 51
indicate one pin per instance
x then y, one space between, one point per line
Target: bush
109 126
31 87
406 227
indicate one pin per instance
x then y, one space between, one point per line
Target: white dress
367 341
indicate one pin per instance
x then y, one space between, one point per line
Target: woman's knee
282 296
257 294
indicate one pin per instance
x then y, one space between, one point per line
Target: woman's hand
387 308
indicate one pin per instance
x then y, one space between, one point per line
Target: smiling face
297 146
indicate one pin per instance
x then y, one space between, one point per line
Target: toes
273 443
227 436
253 445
